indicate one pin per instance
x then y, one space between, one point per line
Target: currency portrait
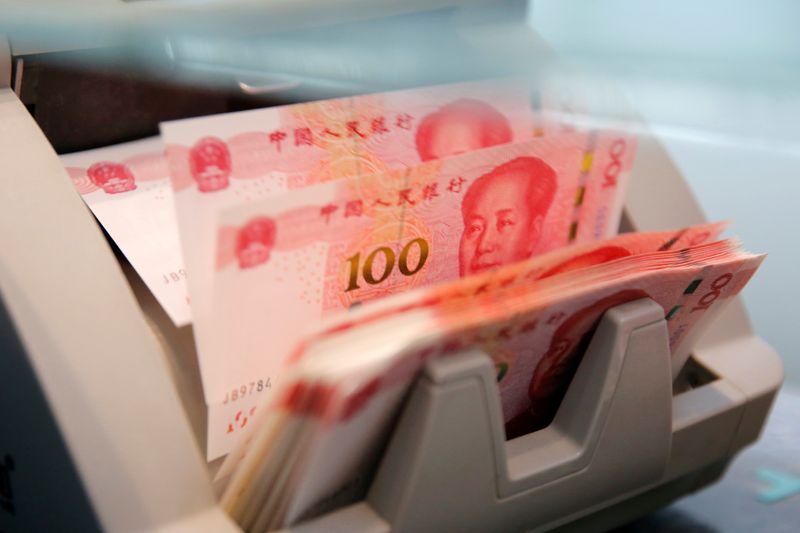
503 213
554 372
461 126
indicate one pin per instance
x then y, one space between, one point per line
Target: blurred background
719 84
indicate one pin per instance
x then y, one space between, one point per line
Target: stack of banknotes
322 430
323 251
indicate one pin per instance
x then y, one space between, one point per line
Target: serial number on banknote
243 391
174 276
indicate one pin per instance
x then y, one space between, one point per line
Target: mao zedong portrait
503 213
555 369
461 126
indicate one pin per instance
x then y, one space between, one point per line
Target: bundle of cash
319 435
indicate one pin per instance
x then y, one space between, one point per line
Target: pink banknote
559 261
284 263
221 161
224 160
127 187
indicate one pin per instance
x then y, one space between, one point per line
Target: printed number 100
368 273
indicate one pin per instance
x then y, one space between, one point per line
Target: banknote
222 161
219 161
539 330
335 245
555 262
128 189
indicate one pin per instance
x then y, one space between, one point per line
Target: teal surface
760 493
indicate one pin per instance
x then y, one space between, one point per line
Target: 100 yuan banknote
224 160
284 263
127 187
220 161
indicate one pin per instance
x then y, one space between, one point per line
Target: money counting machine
102 413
